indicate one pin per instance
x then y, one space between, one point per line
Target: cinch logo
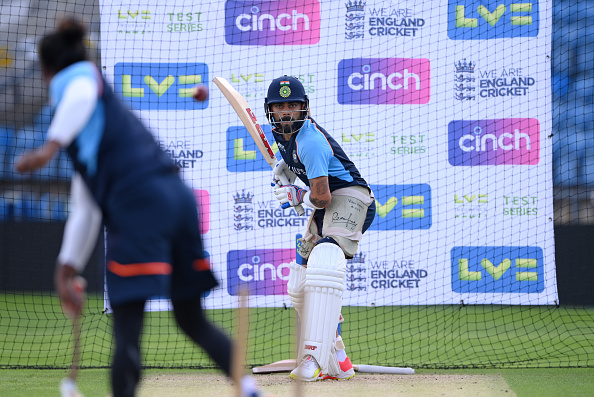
294 22
497 269
203 202
492 19
402 207
160 86
243 154
494 142
264 271
384 81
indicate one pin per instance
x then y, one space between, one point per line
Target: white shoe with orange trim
307 371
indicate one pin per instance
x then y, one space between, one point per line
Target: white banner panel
443 106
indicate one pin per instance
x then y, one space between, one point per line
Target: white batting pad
324 284
296 286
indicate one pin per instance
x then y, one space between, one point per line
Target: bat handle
285 181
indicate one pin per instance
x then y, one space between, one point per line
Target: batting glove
290 195
282 175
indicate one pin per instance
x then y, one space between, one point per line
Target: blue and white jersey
114 149
312 153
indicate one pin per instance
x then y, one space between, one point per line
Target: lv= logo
493 17
159 88
384 210
145 14
402 207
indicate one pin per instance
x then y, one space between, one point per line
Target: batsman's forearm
315 204
320 192
319 203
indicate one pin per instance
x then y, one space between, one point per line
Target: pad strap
296 286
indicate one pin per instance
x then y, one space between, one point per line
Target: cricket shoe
346 371
307 371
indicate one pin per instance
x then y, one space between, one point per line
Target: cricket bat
289 365
248 118
68 387
238 359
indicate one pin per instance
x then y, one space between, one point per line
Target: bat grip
285 181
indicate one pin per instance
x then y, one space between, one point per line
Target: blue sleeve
315 154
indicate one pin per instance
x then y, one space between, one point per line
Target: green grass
41 383
35 334
525 344
551 382
542 382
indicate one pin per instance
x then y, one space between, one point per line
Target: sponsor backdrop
443 106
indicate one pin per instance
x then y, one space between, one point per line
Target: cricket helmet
285 89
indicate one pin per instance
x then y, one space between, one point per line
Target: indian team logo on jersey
263 271
295 156
492 19
499 269
160 86
402 207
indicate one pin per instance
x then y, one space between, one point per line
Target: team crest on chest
295 158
